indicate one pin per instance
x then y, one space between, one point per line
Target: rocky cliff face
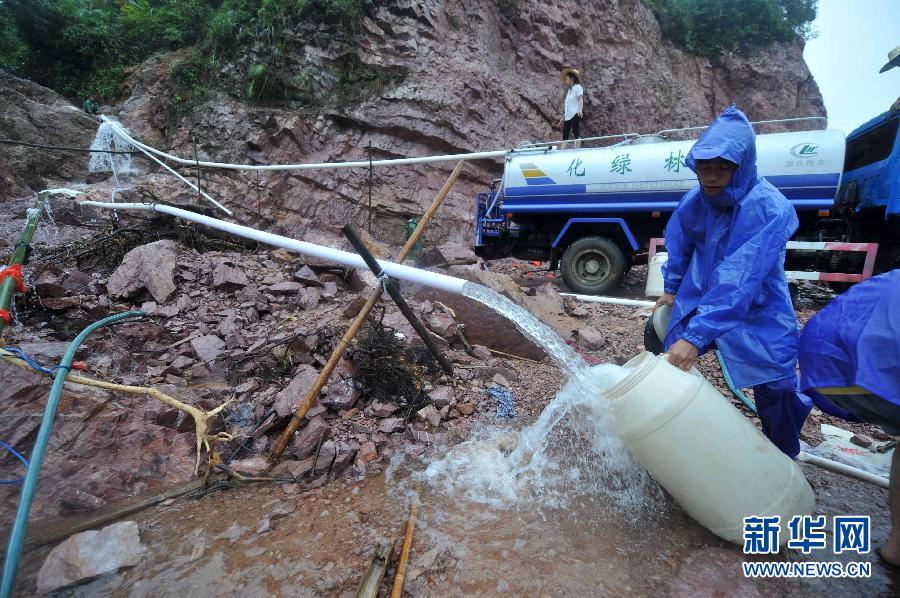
447 76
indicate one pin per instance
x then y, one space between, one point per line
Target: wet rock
340 393
710 572
466 408
286 287
227 278
430 415
441 396
306 440
306 276
263 526
252 466
368 451
442 324
382 409
447 253
590 339
89 554
150 266
861 440
391 425
287 401
283 509
208 347
481 352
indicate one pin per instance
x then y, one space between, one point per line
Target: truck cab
867 206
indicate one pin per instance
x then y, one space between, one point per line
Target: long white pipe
185 181
319 166
611 300
844 469
415 275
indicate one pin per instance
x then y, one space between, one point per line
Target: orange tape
15 271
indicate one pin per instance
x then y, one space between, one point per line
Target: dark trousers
572 127
782 409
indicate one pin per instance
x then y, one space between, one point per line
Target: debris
287 400
306 276
371 581
208 347
226 278
89 554
391 425
861 440
150 266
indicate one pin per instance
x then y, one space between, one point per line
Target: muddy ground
315 534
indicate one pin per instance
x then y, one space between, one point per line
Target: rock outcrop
450 76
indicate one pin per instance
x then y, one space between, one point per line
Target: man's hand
666 299
580 114
683 355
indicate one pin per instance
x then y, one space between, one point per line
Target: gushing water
106 140
119 164
570 451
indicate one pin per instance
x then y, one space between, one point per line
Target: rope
77 365
82 150
15 454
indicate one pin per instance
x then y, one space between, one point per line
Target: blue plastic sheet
726 262
506 405
855 341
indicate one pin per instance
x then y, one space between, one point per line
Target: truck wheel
593 265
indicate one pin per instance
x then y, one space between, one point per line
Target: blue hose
20 526
734 389
15 454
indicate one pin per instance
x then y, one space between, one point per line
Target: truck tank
638 177
590 210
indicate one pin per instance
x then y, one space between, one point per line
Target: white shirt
575 92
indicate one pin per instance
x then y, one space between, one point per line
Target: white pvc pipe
185 181
611 300
415 275
319 166
844 469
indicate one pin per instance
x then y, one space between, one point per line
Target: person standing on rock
725 277
573 106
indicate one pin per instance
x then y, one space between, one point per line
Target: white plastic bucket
703 451
655 286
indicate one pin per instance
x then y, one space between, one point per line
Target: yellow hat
566 70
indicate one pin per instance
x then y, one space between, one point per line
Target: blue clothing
782 411
855 341
726 262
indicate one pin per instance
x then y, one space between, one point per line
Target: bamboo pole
357 323
400 576
7 285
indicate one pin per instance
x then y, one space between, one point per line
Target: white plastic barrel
655 285
703 451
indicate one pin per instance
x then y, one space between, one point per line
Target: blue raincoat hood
731 137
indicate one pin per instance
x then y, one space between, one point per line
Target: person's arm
581 105
757 243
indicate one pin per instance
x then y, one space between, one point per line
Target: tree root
201 418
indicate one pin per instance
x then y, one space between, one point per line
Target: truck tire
593 265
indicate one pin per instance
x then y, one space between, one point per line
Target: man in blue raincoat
850 367
725 276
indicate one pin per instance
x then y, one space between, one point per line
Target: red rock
391 425
466 408
306 440
251 466
287 401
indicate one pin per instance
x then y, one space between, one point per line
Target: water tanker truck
589 211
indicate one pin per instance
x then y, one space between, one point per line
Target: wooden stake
357 323
400 576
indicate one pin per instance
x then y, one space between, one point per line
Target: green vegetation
81 47
706 27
